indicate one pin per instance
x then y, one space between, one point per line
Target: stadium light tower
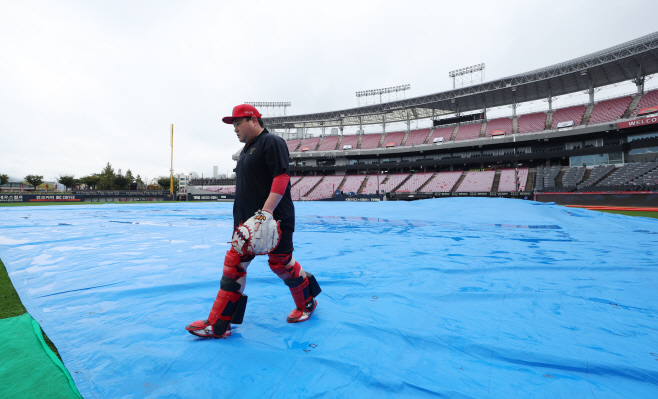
276 106
468 75
373 95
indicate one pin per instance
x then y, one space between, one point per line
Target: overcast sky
83 83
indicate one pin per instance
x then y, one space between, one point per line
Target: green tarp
28 368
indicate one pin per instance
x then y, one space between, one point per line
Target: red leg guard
284 272
299 288
229 294
218 323
224 306
232 267
300 293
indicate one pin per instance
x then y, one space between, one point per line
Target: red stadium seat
414 182
648 100
574 114
468 132
531 123
443 182
417 137
610 110
444 132
353 183
370 141
325 189
349 140
477 182
329 143
493 125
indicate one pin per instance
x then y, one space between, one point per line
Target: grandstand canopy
626 61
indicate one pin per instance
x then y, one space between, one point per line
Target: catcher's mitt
247 241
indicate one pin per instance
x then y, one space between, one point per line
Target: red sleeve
280 184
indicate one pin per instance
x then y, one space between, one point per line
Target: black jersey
260 162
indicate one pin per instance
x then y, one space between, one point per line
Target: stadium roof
626 61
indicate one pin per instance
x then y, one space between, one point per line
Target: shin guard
230 304
303 289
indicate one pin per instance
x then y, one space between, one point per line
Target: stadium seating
574 114
393 181
499 124
477 182
372 186
370 141
598 172
443 182
508 179
210 181
294 179
628 173
220 189
311 143
648 100
650 178
304 186
573 176
393 137
468 132
414 182
329 143
610 110
416 137
522 175
353 183
445 132
349 140
531 123
292 144
550 173
326 188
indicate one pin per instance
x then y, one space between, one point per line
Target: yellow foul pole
171 176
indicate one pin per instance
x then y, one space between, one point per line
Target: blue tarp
456 297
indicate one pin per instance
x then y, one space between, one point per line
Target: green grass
10 303
633 213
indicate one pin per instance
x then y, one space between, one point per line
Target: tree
129 176
91 180
120 182
165 182
4 179
139 181
107 177
67 180
34 180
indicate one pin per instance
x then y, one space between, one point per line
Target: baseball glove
247 241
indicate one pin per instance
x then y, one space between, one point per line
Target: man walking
262 192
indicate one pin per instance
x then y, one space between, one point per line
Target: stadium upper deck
632 60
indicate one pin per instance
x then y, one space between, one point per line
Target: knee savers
232 267
279 265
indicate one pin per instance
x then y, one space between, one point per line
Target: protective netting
459 297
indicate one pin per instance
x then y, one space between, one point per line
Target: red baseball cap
241 111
